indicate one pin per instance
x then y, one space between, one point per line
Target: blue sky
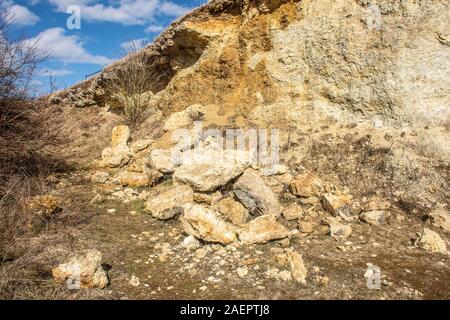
106 27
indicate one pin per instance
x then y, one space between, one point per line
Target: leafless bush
128 86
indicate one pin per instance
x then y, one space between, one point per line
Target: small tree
128 86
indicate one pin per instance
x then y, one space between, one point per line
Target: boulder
293 212
82 271
134 179
204 223
255 195
190 243
440 218
375 217
307 185
184 118
338 205
170 203
339 231
115 156
298 269
261 230
140 145
431 241
99 177
207 177
232 210
162 160
120 136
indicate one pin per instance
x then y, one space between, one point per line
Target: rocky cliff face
349 58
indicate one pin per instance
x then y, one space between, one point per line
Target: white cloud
54 73
18 15
134 44
65 48
154 28
126 12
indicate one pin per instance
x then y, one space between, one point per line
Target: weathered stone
255 195
242 272
184 118
440 218
339 231
298 269
204 223
373 217
293 212
207 198
337 205
134 179
162 161
232 210
140 145
190 243
431 241
120 136
207 176
307 185
306 226
261 230
376 204
284 275
115 157
99 177
82 271
169 203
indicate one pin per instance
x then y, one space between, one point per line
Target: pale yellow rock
307 185
232 210
261 230
82 271
115 157
140 145
255 195
431 241
298 269
440 218
293 211
337 205
339 231
134 179
375 217
169 203
204 223
120 136
306 226
162 160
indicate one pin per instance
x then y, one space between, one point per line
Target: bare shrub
128 86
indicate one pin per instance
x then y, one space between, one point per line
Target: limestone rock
115 156
284 275
338 205
261 230
440 218
232 210
82 271
207 176
431 241
339 231
307 185
140 145
298 269
293 212
134 179
255 195
376 217
120 136
306 226
184 118
162 160
99 177
170 203
190 243
204 223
